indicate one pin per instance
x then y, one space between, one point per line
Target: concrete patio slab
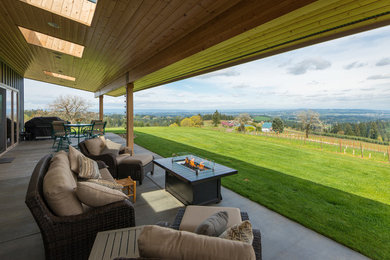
20 237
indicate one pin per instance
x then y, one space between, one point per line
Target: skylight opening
60 76
81 11
52 43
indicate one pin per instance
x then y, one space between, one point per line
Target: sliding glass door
9 118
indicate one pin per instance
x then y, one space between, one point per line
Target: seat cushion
141 159
59 187
167 243
94 146
194 215
95 195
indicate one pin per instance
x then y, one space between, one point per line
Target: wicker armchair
120 168
72 237
244 216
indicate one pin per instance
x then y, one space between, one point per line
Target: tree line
376 130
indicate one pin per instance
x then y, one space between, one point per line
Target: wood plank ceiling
159 41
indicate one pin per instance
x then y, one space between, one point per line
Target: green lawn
342 197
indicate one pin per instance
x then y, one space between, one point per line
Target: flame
201 165
192 162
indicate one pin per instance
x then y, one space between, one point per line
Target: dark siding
9 77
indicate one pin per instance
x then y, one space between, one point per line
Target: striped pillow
108 184
88 169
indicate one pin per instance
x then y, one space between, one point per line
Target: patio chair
123 164
98 128
60 132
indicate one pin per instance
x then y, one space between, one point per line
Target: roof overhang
151 43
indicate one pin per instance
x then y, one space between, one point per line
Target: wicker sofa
72 237
244 216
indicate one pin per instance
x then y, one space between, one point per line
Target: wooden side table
116 243
129 185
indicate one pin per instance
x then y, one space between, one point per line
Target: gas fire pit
192 179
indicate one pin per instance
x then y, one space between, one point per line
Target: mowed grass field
344 198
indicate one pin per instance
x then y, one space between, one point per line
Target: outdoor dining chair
97 129
60 132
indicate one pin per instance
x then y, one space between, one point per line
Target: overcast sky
351 72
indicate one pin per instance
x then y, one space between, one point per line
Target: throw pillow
94 146
59 187
88 169
241 232
95 195
73 155
101 165
167 243
105 183
214 225
112 145
106 175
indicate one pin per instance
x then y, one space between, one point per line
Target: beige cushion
240 232
59 187
142 159
167 243
95 195
94 146
112 145
194 215
73 155
88 169
106 175
108 184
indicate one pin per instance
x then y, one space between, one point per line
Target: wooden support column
101 107
130 116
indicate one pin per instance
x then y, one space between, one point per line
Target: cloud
355 64
374 77
367 89
309 64
221 73
383 62
241 86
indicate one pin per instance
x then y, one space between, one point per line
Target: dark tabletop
189 175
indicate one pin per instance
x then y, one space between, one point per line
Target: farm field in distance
343 197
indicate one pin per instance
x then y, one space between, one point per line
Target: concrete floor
20 237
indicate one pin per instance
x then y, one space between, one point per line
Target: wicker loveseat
244 216
72 237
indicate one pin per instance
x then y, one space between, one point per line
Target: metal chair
98 128
60 132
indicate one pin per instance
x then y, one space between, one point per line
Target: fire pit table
193 180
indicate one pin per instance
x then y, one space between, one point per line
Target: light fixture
81 11
60 76
52 43
54 25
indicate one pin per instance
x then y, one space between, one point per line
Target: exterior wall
9 79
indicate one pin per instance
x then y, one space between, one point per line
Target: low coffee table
189 187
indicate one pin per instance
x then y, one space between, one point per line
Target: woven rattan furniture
244 216
119 167
72 237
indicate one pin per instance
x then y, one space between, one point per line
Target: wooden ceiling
153 42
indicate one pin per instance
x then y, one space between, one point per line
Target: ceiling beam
119 82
